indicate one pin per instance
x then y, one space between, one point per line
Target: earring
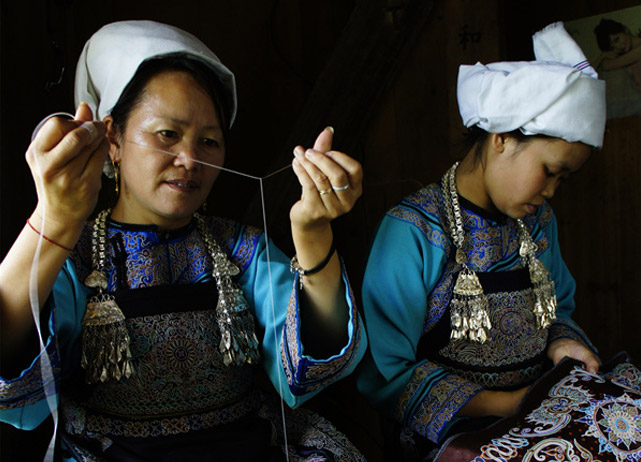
116 167
204 207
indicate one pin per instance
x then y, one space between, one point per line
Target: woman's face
621 42
522 176
176 115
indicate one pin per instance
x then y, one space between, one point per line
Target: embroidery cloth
568 415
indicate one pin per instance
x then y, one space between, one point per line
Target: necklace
469 316
238 342
105 340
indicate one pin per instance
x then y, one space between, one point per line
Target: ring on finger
325 191
340 188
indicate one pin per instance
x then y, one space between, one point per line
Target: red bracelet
47 239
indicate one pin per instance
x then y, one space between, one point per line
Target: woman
619 48
158 315
469 313
620 66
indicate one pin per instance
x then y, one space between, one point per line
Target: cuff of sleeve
29 387
566 328
306 374
432 398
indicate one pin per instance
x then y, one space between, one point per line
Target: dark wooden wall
279 51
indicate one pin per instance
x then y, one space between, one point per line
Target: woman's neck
470 182
122 215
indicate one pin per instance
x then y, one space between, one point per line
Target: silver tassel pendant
543 287
238 342
469 316
105 341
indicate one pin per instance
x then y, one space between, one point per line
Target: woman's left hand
331 183
567 347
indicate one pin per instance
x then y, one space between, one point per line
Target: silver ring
325 191
340 188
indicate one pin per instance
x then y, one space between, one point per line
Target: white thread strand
207 164
269 260
48 380
271 296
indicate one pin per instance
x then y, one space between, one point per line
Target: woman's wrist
61 233
313 245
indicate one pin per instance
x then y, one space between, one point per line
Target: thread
45 364
207 164
48 381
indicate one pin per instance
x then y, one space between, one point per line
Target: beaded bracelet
295 267
46 238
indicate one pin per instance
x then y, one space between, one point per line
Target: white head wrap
557 95
112 55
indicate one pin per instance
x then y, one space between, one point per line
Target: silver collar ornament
238 342
105 340
469 317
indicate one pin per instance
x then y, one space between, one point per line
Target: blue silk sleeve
273 291
22 399
402 270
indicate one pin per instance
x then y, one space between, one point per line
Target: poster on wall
612 43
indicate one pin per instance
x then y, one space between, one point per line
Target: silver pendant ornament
469 316
544 289
105 340
469 306
238 342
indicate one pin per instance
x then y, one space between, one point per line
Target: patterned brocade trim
490 246
28 388
79 420
423 210
446 394
563 328
488 242
153 261
245 248
304 374
491 379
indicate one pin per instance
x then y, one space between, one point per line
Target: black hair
201 72
604 30
475 138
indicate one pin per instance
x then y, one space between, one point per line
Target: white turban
557 95
112 55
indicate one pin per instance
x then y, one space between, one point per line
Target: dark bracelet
295 267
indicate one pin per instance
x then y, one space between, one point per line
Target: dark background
383 73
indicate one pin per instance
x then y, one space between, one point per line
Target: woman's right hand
494 403
66 160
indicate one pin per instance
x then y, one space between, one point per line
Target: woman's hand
66 160
331 183
563 347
